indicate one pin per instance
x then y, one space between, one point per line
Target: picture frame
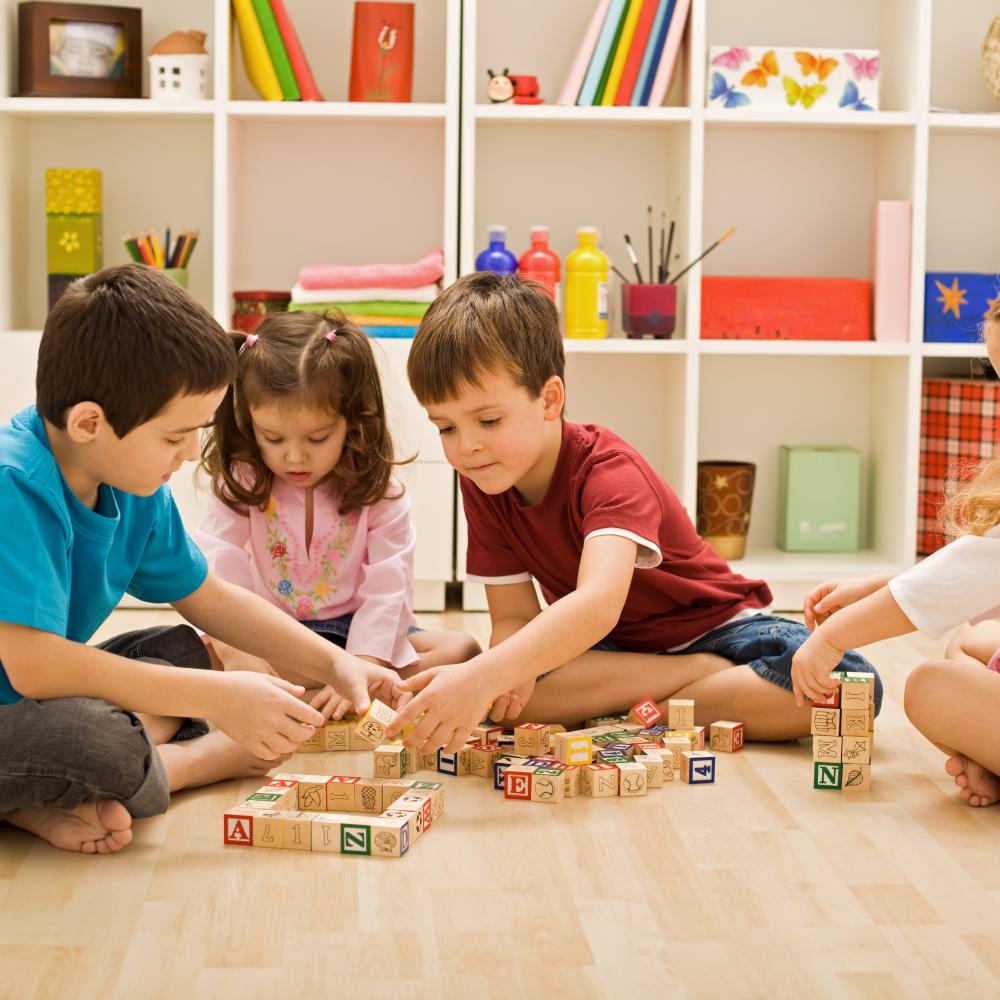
79 50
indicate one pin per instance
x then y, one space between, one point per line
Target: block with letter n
355 838
827 775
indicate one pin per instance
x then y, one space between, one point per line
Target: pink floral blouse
360 563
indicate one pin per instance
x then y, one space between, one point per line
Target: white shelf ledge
105 107
977 350
550 113
784 348
806 119
624 345
333 110
980 121
772 564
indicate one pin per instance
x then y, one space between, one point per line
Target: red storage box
958 428
765 308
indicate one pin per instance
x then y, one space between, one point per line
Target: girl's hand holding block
263 713
812 665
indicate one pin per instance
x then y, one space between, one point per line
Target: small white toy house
178 67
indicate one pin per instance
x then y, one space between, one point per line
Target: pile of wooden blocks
319 812
843 727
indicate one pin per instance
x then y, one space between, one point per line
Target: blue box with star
956 303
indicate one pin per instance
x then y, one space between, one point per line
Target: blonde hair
972 506
304 358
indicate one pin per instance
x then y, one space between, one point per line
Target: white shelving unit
270 186
800 188
274 185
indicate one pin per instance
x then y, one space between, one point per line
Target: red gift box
957 431
768 308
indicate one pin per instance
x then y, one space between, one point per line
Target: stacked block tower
74 227
843 726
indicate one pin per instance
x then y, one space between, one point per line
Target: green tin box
74 244
819 499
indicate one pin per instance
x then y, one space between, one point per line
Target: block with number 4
698 767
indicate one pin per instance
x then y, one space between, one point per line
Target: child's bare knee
923 689
463 647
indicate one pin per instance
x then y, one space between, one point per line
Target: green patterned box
819 501
74 244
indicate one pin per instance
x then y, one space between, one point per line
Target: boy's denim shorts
336 629
766 644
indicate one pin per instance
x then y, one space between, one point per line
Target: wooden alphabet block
500 766
486 734
856 749
341 793
390 837
434 790
422 805
337 736
599 781
699 738
547 785
412 760
726 736
827 749
697 767
372 725
632 780
326 832
389 761
368 798
676 747
827 775
655 768
296 832
680 713
825 722
857 778
392 788
414 822
854 682
237 828
267 829
571 748
532 738
355 838
312 795
854 722
832 700
456 764
315 744
481 758
517 781
647 712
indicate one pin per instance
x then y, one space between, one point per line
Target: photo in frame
79 50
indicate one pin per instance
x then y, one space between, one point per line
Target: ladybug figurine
500 89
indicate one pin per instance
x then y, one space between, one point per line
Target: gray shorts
64 751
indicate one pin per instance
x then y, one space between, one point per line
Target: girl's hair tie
252 339
331 336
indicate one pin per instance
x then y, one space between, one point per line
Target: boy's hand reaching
510 705
357 680
450 700
811 667
263 713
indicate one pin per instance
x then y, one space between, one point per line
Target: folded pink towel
423 272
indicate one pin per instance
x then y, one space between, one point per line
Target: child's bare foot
211 758
92 827
977 786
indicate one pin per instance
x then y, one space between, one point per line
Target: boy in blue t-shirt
130 368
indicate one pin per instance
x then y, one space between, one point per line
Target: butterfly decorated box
788 78
956 303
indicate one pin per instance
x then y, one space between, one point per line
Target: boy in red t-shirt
638 605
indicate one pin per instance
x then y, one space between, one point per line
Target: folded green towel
412 309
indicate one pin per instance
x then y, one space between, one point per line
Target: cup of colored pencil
171 256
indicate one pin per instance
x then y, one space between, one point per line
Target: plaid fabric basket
958 429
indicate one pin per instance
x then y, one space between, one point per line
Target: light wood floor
757 886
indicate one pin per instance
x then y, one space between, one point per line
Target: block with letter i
726 736
698 767
680 713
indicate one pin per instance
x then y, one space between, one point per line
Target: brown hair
972 496
130 339
293 361
486 323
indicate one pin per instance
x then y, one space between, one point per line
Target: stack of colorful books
384 300
275 62
628 54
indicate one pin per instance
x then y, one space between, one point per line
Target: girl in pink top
305 511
